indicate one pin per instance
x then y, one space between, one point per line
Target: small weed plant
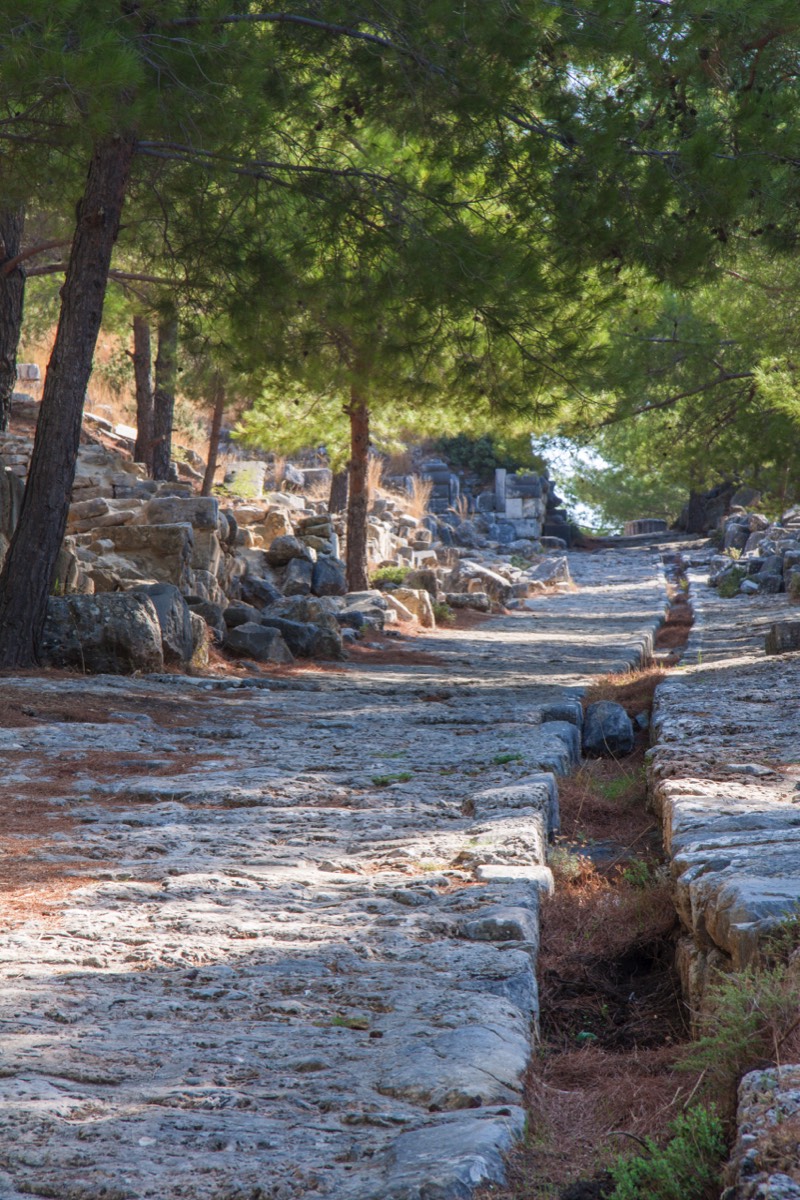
509 757
443 613
638 873
728 586
388 780
686 1168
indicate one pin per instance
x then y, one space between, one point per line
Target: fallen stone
258 641
239 614
258 592
174 619
418 602
306 640
782 637
201 512
113 633
479 601
298 576
213 616
607 730
329 577
286 548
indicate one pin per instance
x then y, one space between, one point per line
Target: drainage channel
610 1079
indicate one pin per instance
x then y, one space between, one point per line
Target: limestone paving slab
725 776
282 959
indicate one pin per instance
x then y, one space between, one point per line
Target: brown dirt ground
613 1023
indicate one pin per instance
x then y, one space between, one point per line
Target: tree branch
31 252
704 387
282 18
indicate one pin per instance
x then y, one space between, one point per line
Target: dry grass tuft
634 690
417 501
374 477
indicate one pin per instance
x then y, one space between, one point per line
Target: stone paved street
254 947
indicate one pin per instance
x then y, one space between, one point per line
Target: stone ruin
150 573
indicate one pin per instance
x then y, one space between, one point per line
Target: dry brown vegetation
610 1067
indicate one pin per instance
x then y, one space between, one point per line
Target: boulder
423 578
258 592
607 730
783 636
551 571
212 614
174 619
285 548
201 642
403 613
253 640
306 640
201 512
479 601
329 577
297 580
161 552
113 633
239 614
418 602
276 524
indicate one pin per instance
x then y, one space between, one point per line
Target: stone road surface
277 958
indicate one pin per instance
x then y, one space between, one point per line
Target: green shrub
686 1168
388 575
728 586
443 613
747 1019
484 454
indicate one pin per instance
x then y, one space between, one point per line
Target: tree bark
29 569
12 295
358 502
220 397
143 375
337 501
164 395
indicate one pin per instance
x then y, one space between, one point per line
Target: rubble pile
758 556
151 573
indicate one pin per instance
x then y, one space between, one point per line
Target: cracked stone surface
278 957
725 776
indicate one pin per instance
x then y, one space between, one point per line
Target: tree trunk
338 498
164 395
12 295
213 439
29 569
358 502
143 373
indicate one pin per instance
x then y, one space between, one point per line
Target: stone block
201 512
607 730
113 633
782 637
258 641
162 552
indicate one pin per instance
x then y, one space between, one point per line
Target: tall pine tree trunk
30 564
143 376
358 502
337 501
164 395
12 295
213 439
